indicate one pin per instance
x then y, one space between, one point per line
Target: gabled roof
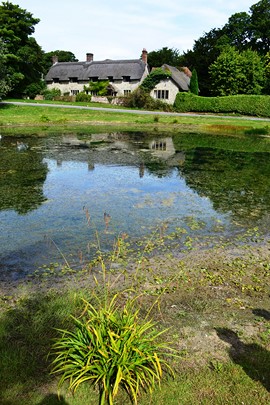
102 70
180 78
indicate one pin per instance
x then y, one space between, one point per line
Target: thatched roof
103 70
181 79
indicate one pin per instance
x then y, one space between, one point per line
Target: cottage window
56 79
73 79
93 79
162 94
75 92
159 145
126 78
127 92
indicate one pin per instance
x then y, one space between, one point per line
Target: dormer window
126 78
56 79
73 79
93 79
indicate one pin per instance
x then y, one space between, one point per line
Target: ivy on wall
154 78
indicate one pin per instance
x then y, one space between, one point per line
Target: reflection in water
71 187
22 174
235 182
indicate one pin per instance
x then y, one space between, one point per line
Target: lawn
19 116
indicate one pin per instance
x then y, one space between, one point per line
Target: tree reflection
22 174
235 182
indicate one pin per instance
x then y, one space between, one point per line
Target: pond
61 196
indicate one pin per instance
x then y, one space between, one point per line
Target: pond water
59 194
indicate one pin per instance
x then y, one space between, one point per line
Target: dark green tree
260 26
5 84
194 85
164 56
244 30
24 62
238 30
63 56
205 51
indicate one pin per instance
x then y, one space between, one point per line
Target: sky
120 29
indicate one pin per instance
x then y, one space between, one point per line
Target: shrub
142 99
83 97
51 94
111 348
66 97
255 105
33 89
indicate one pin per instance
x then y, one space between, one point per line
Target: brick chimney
89 57
144 55
54 59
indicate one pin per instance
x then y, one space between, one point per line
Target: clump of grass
111 348
156 118
44 118
257 131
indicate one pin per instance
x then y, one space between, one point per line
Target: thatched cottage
124 77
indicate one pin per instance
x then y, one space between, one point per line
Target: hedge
240 104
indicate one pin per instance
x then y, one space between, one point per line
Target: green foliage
205 51
239 104
243 30
24 63
154 78
164 56
259 26
194 85
83 97
63 56
51 94
141 99
34 88
5 84
111 348
236 72
99 88
267 73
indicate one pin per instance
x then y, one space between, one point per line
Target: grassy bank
215 304
14 118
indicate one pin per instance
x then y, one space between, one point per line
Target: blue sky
120 29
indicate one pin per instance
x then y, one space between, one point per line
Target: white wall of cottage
169 85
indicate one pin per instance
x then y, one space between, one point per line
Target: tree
243 30
24 61
260 27
194 86
253 71
63 56
99 88
267 73
5 84
238 30
164 56
236 72
205 51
